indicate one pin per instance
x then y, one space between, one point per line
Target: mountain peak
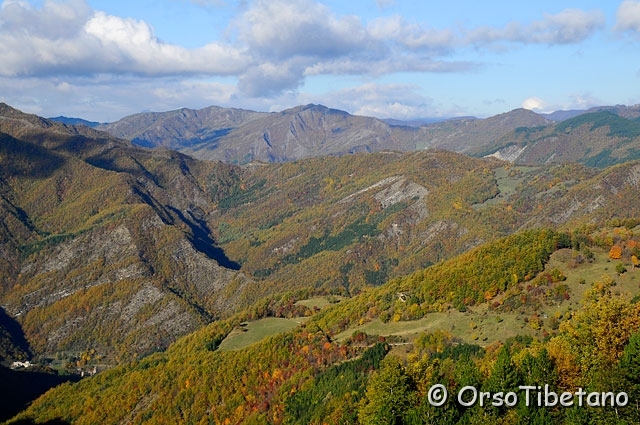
11 112
526 117
312 107
15 120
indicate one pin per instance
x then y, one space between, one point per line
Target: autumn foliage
615 252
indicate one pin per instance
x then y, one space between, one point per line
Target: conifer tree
504 378
389 395
630 366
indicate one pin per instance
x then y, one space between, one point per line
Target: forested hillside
97 238
307 376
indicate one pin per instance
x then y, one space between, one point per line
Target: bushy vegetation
302 377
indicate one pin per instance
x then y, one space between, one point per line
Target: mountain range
241 136
111 251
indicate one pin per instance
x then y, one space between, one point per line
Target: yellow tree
615 252
598 333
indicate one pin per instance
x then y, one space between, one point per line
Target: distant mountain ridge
241 136
465 135
603 137
75 121
180 128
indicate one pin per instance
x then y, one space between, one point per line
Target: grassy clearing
508 179
477 326
483 326
591 272
253 332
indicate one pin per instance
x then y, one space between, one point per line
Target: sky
102 60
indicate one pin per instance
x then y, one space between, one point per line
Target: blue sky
105 59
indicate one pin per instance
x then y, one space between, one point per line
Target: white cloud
55 20
575 101
565 27
269 78
68 38
568 26
412 36
289 38
285 28
628 16
131 46
533 104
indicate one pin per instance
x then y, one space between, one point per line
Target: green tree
389 395
630 367
630 360
504 375
504 378
537 370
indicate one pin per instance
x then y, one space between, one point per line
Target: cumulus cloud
293 39
565 27
69 38
628 16
270 78
284 28
533 104
130 45
286 38
53 21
